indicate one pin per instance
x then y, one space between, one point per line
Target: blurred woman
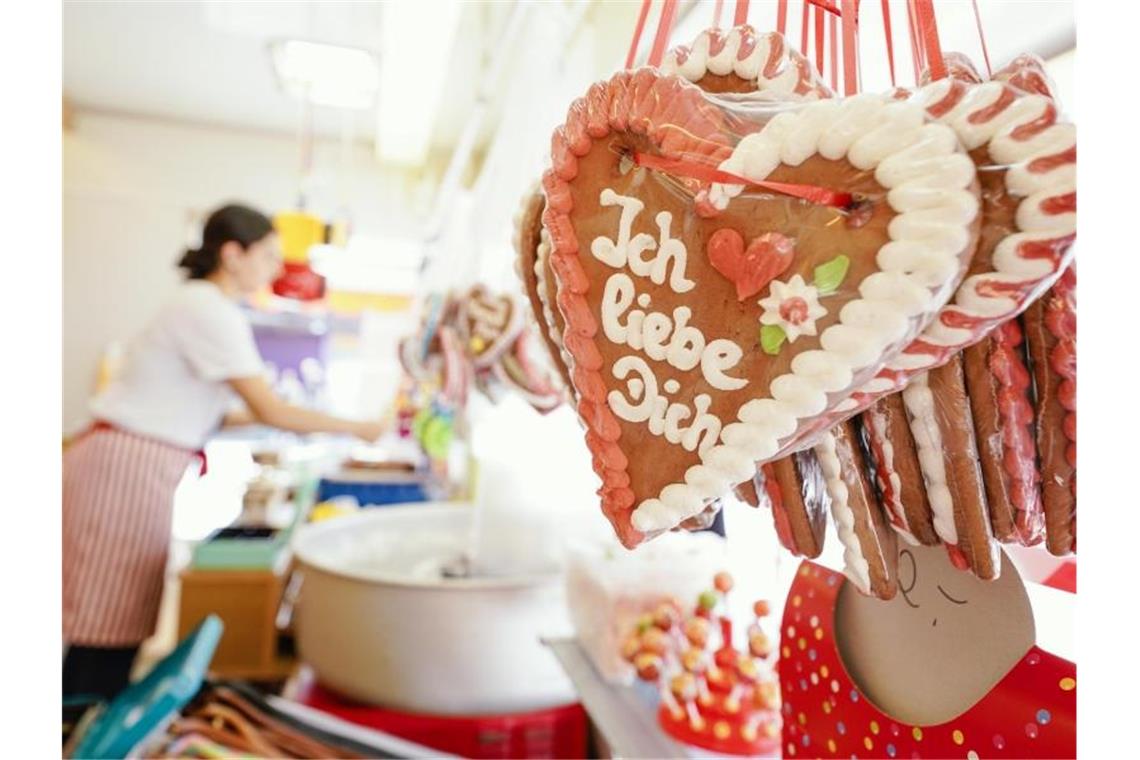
180 378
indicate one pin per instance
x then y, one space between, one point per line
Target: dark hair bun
198 263
240 224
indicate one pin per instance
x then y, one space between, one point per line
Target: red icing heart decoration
751 268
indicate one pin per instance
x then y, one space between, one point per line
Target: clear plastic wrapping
712 319
731 201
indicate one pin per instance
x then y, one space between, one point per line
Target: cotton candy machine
387 616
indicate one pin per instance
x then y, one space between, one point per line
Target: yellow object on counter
299 232
328 510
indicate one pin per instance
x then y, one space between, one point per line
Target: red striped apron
118 497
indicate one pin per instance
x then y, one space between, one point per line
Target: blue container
374 493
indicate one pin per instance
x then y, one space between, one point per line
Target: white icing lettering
616 299
646 404
616 254
718 356
627 251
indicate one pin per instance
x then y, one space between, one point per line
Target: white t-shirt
172 386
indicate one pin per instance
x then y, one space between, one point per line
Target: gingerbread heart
1029 191
681 385
488 324
1027 157
532 265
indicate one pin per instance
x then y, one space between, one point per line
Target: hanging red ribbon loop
693 170
890 41
982 37
849 11
664 27
741 15
928 34
631 56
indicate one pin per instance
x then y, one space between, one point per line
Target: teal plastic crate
146 706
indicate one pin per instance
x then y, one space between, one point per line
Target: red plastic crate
556 732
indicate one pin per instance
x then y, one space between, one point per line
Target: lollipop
648 665
706 603
758 642
666 617
747 675
683 687
697 631
655 640
631 647
696 661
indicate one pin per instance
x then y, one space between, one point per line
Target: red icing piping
678 121
1015 413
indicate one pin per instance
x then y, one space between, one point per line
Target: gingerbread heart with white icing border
488 323
682 385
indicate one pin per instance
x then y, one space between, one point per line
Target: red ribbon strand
928 33
664 27
849 10
982 37
741 15
782 17
889 39
631 56
819 195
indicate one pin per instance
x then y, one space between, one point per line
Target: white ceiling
208 61
205 61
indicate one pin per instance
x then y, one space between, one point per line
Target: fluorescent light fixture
416 52
327 75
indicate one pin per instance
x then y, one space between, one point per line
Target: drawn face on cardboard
941 644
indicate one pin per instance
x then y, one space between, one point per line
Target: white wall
134 193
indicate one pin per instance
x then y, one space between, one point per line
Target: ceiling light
327 75
417 41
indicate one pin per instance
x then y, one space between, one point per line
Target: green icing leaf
829 276
771 338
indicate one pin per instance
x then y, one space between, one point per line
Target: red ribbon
982 37
741 15
664 26
833 32
633 45
782 16
804 30
849 13
890 41
819 195
928 34
915 47
716 13
818 39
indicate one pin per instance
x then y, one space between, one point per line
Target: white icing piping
934 208
1034 186
855 565
793 67
544 248
920 407
885 465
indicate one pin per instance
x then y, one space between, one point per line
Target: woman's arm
238 418
266 407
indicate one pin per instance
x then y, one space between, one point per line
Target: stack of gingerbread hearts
727 260
981 449
480 337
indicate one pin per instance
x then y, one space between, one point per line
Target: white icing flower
793 306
